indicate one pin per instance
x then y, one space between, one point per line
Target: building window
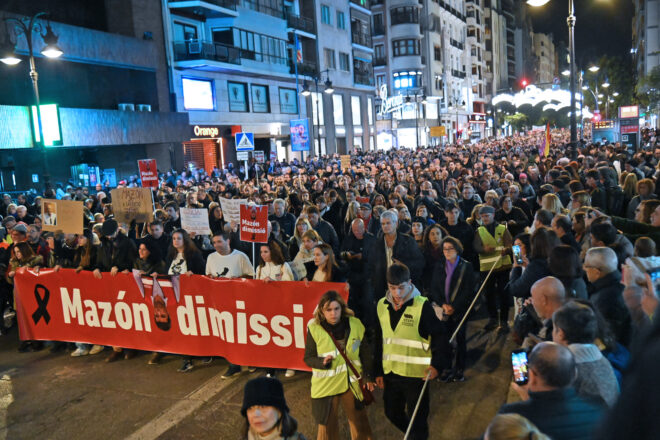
325 15
288 101
379 29
438 82
344 63
238 101
379 51
183 31
341 20
380 80
317 108
338 109
407 14
437 53
355 110
405 47
370 110
260 98
329 56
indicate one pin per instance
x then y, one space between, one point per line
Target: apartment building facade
110 87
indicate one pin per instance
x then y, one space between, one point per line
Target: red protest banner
254 223
249 322
148 173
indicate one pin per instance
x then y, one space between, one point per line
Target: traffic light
596 117
524 83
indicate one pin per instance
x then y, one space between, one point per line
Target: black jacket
464 294
521 281
328 234
357 267
405 250
120 252
195 264
606 294
560 414
287 223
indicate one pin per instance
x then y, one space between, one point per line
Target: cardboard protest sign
132 204
62 215
254 223
345 161
231 209
148 173
195 220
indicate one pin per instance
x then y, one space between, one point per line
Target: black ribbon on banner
42 304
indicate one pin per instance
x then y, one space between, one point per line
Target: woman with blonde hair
552 203
334 336
491 198
580 199
629 187
352 212
513 427
295 242
303 263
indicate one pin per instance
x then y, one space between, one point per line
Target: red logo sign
629 129
254 223
148 173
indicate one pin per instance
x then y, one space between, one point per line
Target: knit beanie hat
265 391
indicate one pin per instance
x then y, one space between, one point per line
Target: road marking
6 399
182 409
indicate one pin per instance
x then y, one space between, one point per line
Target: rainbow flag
545 147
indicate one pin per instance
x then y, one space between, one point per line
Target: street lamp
570 21
306 92
26 26
456 108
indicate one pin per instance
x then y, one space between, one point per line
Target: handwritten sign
345 161
195 220
132 204
231 209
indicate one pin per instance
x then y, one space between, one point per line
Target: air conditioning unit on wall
126 107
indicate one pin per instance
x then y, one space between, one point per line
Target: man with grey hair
606 291
286 220
391 247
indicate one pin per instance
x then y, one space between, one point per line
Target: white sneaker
96 349
79 352
290 373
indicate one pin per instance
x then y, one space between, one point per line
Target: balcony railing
300 23
229 4
306 68
362 39
404 18
458 73
206 50
380 61
260 6
456 44
364 78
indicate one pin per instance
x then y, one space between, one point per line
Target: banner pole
254 259
460 324
419 400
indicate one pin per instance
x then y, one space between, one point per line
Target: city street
54 396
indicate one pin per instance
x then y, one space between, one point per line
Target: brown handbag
367 396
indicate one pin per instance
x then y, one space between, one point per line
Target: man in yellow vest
414 346
493 242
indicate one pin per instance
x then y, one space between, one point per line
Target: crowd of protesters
560 245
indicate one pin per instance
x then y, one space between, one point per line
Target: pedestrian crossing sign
244 141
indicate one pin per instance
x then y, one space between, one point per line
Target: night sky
603 27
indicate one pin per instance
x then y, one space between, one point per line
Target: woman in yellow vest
333 329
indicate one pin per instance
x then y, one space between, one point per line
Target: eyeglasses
448 249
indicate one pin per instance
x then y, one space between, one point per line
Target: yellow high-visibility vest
488 259
335 379
405 352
